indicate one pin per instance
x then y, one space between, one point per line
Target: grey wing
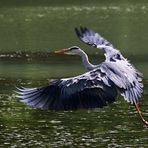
127 79
90 90
92 38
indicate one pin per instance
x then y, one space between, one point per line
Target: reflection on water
27 29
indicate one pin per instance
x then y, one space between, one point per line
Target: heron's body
96 88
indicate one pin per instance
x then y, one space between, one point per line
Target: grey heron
94 89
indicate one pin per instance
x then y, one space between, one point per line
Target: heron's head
74 50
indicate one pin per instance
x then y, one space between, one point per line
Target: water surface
28 32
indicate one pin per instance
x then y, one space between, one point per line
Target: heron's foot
140 114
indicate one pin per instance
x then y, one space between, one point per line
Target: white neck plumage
85 61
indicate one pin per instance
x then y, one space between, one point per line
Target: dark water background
28 31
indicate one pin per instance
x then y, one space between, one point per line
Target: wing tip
82 30
77 32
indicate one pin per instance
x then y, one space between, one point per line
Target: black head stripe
74 48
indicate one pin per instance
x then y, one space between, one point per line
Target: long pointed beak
61 51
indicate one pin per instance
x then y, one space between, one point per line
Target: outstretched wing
117 68
90 90
96 88
92 38
126 78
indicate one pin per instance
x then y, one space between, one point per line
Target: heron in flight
94 89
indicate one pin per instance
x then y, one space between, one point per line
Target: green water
28 32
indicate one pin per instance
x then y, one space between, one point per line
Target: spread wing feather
90 90
96 88
126 78
123 74
92 38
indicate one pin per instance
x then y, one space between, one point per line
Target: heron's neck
85 61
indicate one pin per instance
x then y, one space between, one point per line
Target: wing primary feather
77 32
